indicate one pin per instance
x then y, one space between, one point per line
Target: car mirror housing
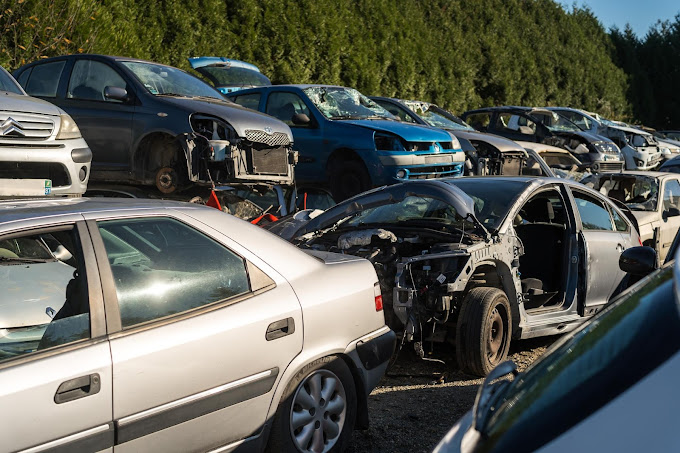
301 119
671 212
116 93
638 261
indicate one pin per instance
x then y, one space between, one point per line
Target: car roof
13 210
98 56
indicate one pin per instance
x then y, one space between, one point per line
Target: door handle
77 388
619 248
280 328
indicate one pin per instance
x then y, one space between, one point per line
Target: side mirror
62 254
301 119
116 93
671 212
638 261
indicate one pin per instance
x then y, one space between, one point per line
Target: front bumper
64 162
404 166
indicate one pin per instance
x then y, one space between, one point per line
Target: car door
106 124
601 246
670 216
309 138
55 363
202 332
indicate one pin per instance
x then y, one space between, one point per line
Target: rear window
44 79
588 369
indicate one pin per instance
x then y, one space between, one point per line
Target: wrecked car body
229 75
152 124
546 126
464 260
560 161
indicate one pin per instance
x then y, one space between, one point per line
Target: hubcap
318 413
496 341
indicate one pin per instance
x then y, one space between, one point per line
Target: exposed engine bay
488 160
216 154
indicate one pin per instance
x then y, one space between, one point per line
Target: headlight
387 142
639 162
454 142
68 129
607 147
666 152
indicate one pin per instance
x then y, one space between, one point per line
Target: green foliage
461 54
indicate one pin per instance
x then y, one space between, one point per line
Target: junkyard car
610 386
488 155
654 199
153 124
162 326
351 142
41 149
671 165
228 75
560 161
493 258
545 126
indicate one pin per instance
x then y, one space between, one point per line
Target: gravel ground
418 401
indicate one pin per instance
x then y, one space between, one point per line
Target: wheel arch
141 158
497 274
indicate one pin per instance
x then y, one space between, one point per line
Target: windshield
493 198
587 369
223 76
437 117
345 104
554 121
7 83
639 193
166 80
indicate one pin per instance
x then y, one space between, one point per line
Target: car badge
268 130
49 311
437 148
11 127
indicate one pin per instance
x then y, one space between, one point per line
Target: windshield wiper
10 260
346 117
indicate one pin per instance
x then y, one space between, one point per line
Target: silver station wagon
144 325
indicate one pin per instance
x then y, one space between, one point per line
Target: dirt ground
418 401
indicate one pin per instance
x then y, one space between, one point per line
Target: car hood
27 104
240 118
645 217
409 132
588 136
35 288
381 196
500 143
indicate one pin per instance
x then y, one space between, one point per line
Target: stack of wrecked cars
479 261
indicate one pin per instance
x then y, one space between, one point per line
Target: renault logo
11 127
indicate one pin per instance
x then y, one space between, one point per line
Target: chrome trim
67 439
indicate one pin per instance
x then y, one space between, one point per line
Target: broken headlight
212 128
388 142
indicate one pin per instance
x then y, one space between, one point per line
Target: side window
250 101
619 223
594 214
44 79
285 105
396 111
479 121
23 78
515 123
163 267
89 78
671 195
44 300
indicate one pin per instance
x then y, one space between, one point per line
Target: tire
323 425
483 331
348 178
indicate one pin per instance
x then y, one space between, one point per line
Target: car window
396 110
7 83
671 195
44 79
594 214
577 118
44 300
515 123
89 78
284 106
163 267
619 223
479 121
250 101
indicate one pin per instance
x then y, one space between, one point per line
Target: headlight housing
388 142
68 129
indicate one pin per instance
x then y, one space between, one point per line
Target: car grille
23 127
269 161
273 139
435 171
35 170
610 166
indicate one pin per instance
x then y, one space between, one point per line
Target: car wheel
317 411
483 331
349 178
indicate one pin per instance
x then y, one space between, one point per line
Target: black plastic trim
95 442
378 350
127 431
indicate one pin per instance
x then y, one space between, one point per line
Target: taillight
378 297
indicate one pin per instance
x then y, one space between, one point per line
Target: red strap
270 217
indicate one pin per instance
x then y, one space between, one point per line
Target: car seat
77 303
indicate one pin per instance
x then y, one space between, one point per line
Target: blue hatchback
349 141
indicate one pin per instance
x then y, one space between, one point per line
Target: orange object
213 202
270 217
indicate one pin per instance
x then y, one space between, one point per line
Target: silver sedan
143 325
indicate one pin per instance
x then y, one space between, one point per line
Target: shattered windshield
7 83
338 103
165 80
412 210
437 117
554 121
222 75
639 193
493 198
